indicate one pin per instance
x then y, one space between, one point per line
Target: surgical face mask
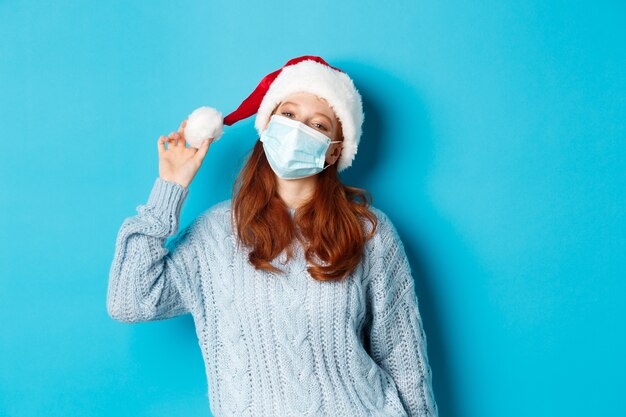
293 149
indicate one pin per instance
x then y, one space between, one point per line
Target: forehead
310 100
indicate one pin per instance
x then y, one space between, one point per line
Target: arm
147 280
396 336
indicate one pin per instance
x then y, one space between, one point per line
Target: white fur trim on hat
334 86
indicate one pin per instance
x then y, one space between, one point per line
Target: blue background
494 139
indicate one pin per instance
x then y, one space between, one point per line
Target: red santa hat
302 74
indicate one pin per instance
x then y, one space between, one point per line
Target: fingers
202 150
161 143
174 138
171 140
181 131
181 139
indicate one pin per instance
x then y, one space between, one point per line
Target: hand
180 163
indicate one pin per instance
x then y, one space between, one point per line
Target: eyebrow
321 114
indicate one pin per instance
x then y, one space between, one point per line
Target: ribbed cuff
167 197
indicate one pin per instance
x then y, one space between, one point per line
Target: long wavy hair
329 224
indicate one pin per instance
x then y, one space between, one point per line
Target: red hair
329 223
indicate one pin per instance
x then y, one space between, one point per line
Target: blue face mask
293 149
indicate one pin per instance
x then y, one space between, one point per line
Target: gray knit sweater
277 345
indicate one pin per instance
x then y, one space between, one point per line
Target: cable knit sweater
277 345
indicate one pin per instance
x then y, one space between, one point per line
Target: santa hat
302 74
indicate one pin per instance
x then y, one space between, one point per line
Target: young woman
300 290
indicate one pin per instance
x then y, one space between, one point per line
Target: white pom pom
203 123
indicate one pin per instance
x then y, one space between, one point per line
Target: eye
286 113
321 126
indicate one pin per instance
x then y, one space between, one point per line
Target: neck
295 192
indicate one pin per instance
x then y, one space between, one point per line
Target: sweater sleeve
397 340
149 280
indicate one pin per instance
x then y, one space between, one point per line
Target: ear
335 154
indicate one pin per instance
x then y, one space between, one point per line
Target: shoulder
212 225
388 269
384 226
217 217
386 244
380 214
219 209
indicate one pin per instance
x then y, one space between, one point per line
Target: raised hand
178 162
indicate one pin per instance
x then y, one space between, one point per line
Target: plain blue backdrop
494 138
